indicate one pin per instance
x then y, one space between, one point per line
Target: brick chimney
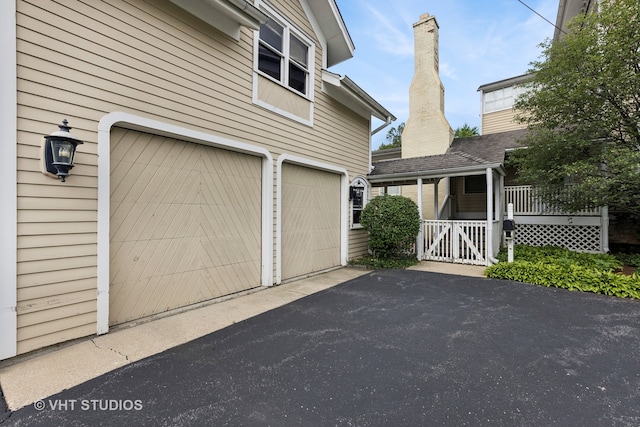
427 131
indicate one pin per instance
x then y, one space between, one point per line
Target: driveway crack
110 349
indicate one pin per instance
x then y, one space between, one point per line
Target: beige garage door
185 224
310 220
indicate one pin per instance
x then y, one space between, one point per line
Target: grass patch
373 263
561 268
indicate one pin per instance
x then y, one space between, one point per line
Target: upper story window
502 99
283 55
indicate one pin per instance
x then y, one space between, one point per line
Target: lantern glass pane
62 151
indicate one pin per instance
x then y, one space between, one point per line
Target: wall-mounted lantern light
58 151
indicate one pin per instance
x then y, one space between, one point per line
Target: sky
481 41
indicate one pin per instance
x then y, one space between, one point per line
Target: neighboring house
218 154
470 185
497 100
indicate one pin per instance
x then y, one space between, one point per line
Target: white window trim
257 74
516 92
288 29
358 182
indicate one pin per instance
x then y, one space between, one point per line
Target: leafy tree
465 131
583 111
394 136
393 223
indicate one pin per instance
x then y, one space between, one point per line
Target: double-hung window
283 55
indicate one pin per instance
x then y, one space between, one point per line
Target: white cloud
386 33
447 70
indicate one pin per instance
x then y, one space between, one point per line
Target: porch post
489 237
420 238
435 200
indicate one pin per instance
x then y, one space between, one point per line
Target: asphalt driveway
394 348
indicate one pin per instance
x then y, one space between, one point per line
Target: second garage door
310 220
185 224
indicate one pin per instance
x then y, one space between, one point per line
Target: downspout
373 132
604 229
382 126
489 247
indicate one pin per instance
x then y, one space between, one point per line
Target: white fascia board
9 179
144 124
348 93
227 16
437 174
327 21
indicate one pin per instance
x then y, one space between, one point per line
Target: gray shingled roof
450 160
464 155
491 147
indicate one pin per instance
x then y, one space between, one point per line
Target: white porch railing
525 203
462 242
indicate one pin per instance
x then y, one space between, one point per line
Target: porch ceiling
430 168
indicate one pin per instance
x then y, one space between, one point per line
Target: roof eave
348 93
228 16
437 174
340 46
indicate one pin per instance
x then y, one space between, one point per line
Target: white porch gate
463 242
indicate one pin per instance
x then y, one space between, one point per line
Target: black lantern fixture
59 150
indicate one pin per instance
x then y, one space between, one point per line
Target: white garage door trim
130 121
9 178
344 182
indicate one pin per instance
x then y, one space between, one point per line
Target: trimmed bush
560 268
393 223
563 256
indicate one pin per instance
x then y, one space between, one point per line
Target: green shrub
572 277
629 259
393 223
561 268
557 255
373 263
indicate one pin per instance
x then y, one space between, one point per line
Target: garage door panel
310 220
186 225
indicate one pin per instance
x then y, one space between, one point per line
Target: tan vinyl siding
151 59
277 96
358 243
499 121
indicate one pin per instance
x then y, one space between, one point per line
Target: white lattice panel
584 238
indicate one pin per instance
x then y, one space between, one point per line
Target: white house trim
9 179
344 205
143 124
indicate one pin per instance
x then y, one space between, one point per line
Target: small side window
475 184
358 200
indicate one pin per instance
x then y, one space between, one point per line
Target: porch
538 224
452 239
447 237
467 220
